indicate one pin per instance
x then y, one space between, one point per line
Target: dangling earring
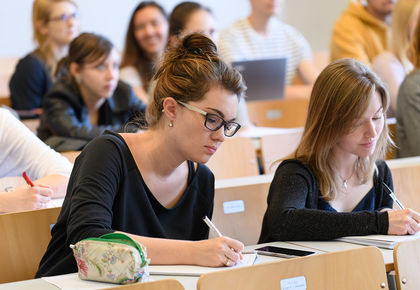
171 124
78 80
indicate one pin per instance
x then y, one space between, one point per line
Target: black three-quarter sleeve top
107 193
297 211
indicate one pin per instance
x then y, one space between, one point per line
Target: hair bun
198 44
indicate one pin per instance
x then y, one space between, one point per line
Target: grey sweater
408 116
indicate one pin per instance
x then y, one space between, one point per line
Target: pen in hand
27 179
212 226
393 196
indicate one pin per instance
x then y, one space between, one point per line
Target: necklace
348 178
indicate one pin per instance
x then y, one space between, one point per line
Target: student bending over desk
21 151
152 185
334 186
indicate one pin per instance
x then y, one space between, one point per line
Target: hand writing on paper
25 198
403 222
222 251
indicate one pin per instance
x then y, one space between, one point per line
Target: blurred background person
393 65
87 99
55 24
408 104
145 42
361 30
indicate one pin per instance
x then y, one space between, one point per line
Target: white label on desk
233 206
295 283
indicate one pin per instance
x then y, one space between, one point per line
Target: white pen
212 226
393 196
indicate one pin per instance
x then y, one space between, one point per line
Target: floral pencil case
113 258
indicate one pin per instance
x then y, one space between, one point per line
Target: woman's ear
74 70
170 108
41 26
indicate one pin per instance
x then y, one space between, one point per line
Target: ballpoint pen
213 227
393 196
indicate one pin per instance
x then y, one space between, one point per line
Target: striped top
241 42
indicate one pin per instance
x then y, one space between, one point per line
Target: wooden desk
332 246
190 282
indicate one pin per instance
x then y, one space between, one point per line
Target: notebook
381 241
190 270
264 78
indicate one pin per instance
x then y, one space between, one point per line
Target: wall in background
314 18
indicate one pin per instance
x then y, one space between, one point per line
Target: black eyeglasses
65 17
214 122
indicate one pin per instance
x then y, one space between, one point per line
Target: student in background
393 65
334 186
361 30
21 150
55 25
88 98
408 104
157 178
263 36
189 17
145 42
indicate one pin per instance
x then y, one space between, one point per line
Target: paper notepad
381 241
190 270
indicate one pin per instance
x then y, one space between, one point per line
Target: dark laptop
264 78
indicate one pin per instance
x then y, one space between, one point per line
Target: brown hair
414 51
133 53
86 48
339 98
41 12
181 14
187 73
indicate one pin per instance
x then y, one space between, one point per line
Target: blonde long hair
41 13
339 98
399 44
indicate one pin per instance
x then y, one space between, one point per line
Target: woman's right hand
217 252
403 222
26 198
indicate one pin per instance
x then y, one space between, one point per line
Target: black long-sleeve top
107 193
295 210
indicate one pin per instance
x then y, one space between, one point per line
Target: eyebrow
220 113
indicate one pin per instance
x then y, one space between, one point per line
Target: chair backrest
24 239
239 208
236 157
405 174
278 147
407 264
154 285
392 122
286 113
361 268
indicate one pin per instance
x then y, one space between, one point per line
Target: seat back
361 268
25 237
286 113
236 157
239 208
405 174
154 285
407 264
279 147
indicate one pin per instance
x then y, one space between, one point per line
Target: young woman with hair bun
153 185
